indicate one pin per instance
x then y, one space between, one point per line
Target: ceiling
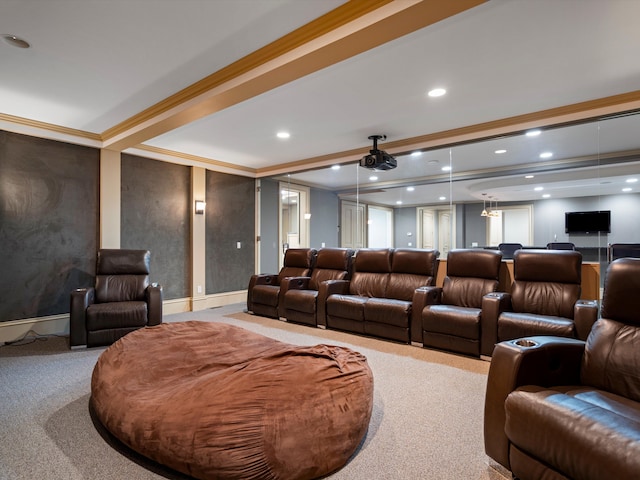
210 83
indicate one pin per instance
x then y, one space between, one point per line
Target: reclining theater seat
564 408
544 300
305 297
377 301
448 317
121 301
264 292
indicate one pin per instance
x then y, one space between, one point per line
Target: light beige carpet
426 421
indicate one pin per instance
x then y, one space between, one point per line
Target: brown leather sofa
378 299
448 317
121 301
559 408
264 292
305 297
544 300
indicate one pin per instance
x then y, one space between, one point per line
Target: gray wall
405 221
155 216
325 218
230 218
48 224
269 248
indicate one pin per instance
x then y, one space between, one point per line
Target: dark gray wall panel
48 224
155 216
230 218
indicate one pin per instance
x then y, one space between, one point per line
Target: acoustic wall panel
230 235
48 224
155 216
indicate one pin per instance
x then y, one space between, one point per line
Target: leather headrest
558 266
123 262
621 299
474 263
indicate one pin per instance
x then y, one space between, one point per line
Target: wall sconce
200 207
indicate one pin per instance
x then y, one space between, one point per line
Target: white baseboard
13 330
16 329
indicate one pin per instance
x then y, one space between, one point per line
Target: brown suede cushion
217 401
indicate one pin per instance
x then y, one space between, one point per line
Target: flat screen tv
588 222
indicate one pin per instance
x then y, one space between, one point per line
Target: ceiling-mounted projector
378 159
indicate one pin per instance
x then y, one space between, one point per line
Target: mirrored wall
527 188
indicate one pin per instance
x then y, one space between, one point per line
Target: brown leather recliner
378 299
544 300
305 297
121 301
448 317
264 293
560 408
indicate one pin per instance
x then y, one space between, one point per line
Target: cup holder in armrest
523 342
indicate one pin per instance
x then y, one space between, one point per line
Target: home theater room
305 239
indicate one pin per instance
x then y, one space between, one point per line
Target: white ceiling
93 64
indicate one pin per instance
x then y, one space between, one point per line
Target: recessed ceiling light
533 133
283 134
442 198
631 180
417 153
399 202
437 92
539 189
546 195
529 176
502 150
410 189
373 178
335 167
627 189
15 41
546 155
446 168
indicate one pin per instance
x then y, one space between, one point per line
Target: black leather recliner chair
121 301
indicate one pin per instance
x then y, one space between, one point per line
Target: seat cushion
102 316
266 295
579 432
346 306
388 311
515 325
301 300
213 400
452 320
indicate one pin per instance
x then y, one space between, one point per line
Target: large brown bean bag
217 401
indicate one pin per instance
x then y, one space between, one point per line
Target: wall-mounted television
588 222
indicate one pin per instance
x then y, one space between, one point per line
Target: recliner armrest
81 298
544 361
493 304
295 283
585 314
422 297
154 304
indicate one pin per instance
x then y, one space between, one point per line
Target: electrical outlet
199 288
238 245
